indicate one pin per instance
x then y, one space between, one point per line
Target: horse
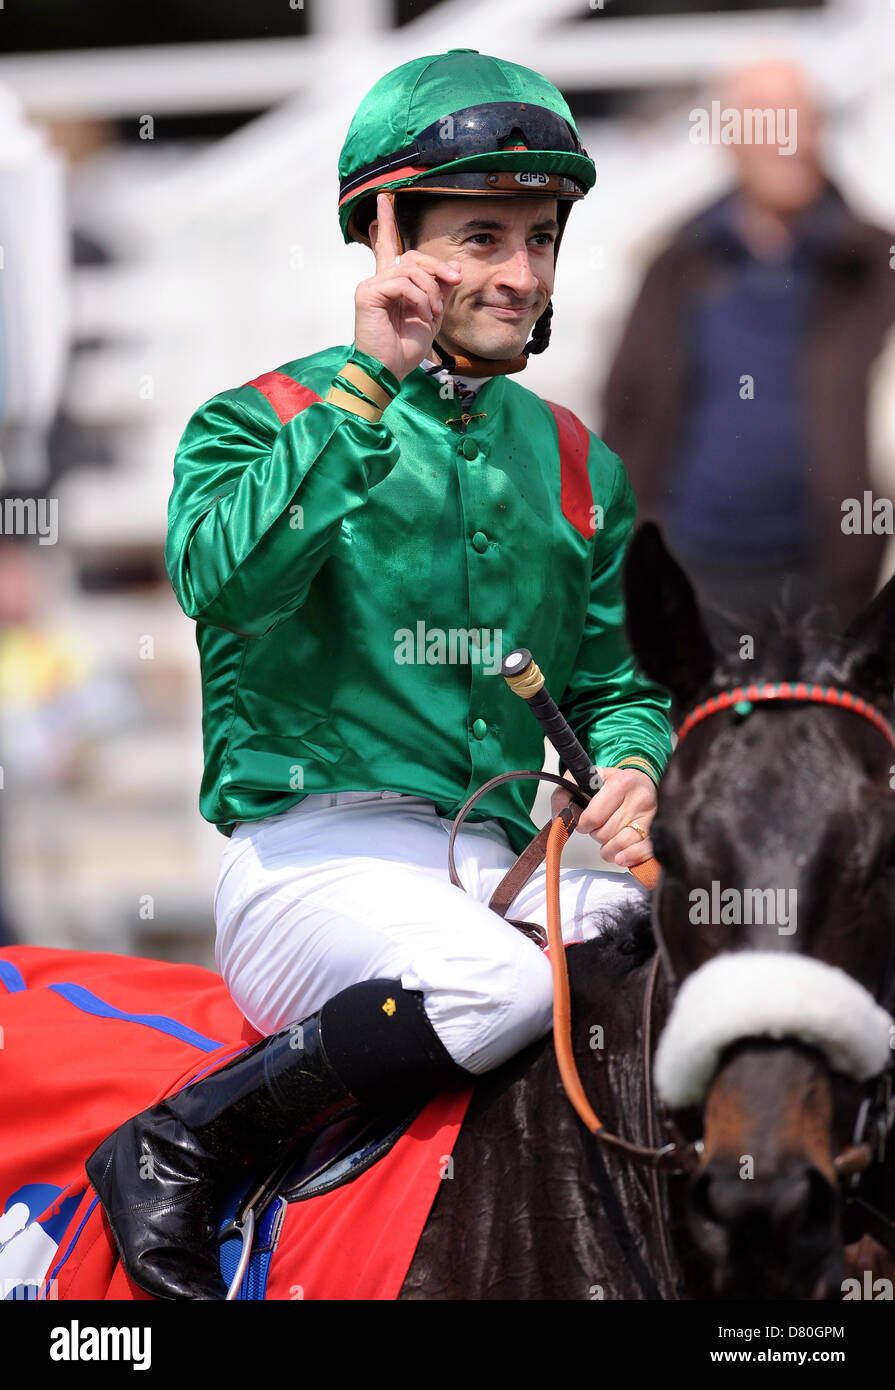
775 793
538 1207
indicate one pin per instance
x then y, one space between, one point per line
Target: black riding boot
163 1176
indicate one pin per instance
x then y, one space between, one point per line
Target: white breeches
353 886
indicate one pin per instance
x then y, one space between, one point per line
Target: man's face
781 183
505 248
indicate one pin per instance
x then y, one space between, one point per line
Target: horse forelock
786 643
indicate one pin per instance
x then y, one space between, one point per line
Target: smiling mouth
505 312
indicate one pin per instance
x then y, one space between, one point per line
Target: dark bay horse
784 796
788 796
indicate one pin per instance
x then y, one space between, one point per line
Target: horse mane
625 942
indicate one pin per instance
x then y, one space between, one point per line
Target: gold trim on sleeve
359 378
353 404
641 764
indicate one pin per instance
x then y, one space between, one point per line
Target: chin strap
460 364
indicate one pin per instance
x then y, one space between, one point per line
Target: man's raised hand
398 311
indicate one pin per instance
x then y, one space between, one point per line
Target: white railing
231 263
34 284
240 242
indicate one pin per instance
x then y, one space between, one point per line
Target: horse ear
664 622
870 659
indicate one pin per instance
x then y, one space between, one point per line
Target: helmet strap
540 334
461 364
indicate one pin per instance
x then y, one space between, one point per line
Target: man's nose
516 274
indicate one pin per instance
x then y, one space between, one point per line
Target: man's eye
543 239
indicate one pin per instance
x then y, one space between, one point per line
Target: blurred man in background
738 396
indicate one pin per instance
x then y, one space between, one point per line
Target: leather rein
876 1114
674 1157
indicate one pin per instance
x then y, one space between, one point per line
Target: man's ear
663 618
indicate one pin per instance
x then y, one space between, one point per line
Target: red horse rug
87 1041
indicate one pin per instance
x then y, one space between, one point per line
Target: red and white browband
742 698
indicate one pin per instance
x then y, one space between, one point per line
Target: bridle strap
855 1158
743 697
549 843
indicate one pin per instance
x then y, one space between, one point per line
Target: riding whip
524 678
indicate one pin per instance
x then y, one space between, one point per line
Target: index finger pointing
387 245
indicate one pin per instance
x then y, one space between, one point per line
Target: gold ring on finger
639 828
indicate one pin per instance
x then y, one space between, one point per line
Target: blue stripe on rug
90 1003
11 977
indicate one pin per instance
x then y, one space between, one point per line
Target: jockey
360 536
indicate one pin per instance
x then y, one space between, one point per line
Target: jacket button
480 728
468 448
480 541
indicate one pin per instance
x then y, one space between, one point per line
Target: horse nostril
820 1209
795 1203
790 1199
720 1196
803 1206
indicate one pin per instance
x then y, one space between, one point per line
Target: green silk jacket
356 585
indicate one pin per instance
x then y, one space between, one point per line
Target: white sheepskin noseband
774 994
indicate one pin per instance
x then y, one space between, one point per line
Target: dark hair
410 209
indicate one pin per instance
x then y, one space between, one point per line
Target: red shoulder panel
576 495
287 397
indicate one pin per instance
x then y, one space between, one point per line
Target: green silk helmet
462 123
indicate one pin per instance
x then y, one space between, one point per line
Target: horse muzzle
764 1205
754 1038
